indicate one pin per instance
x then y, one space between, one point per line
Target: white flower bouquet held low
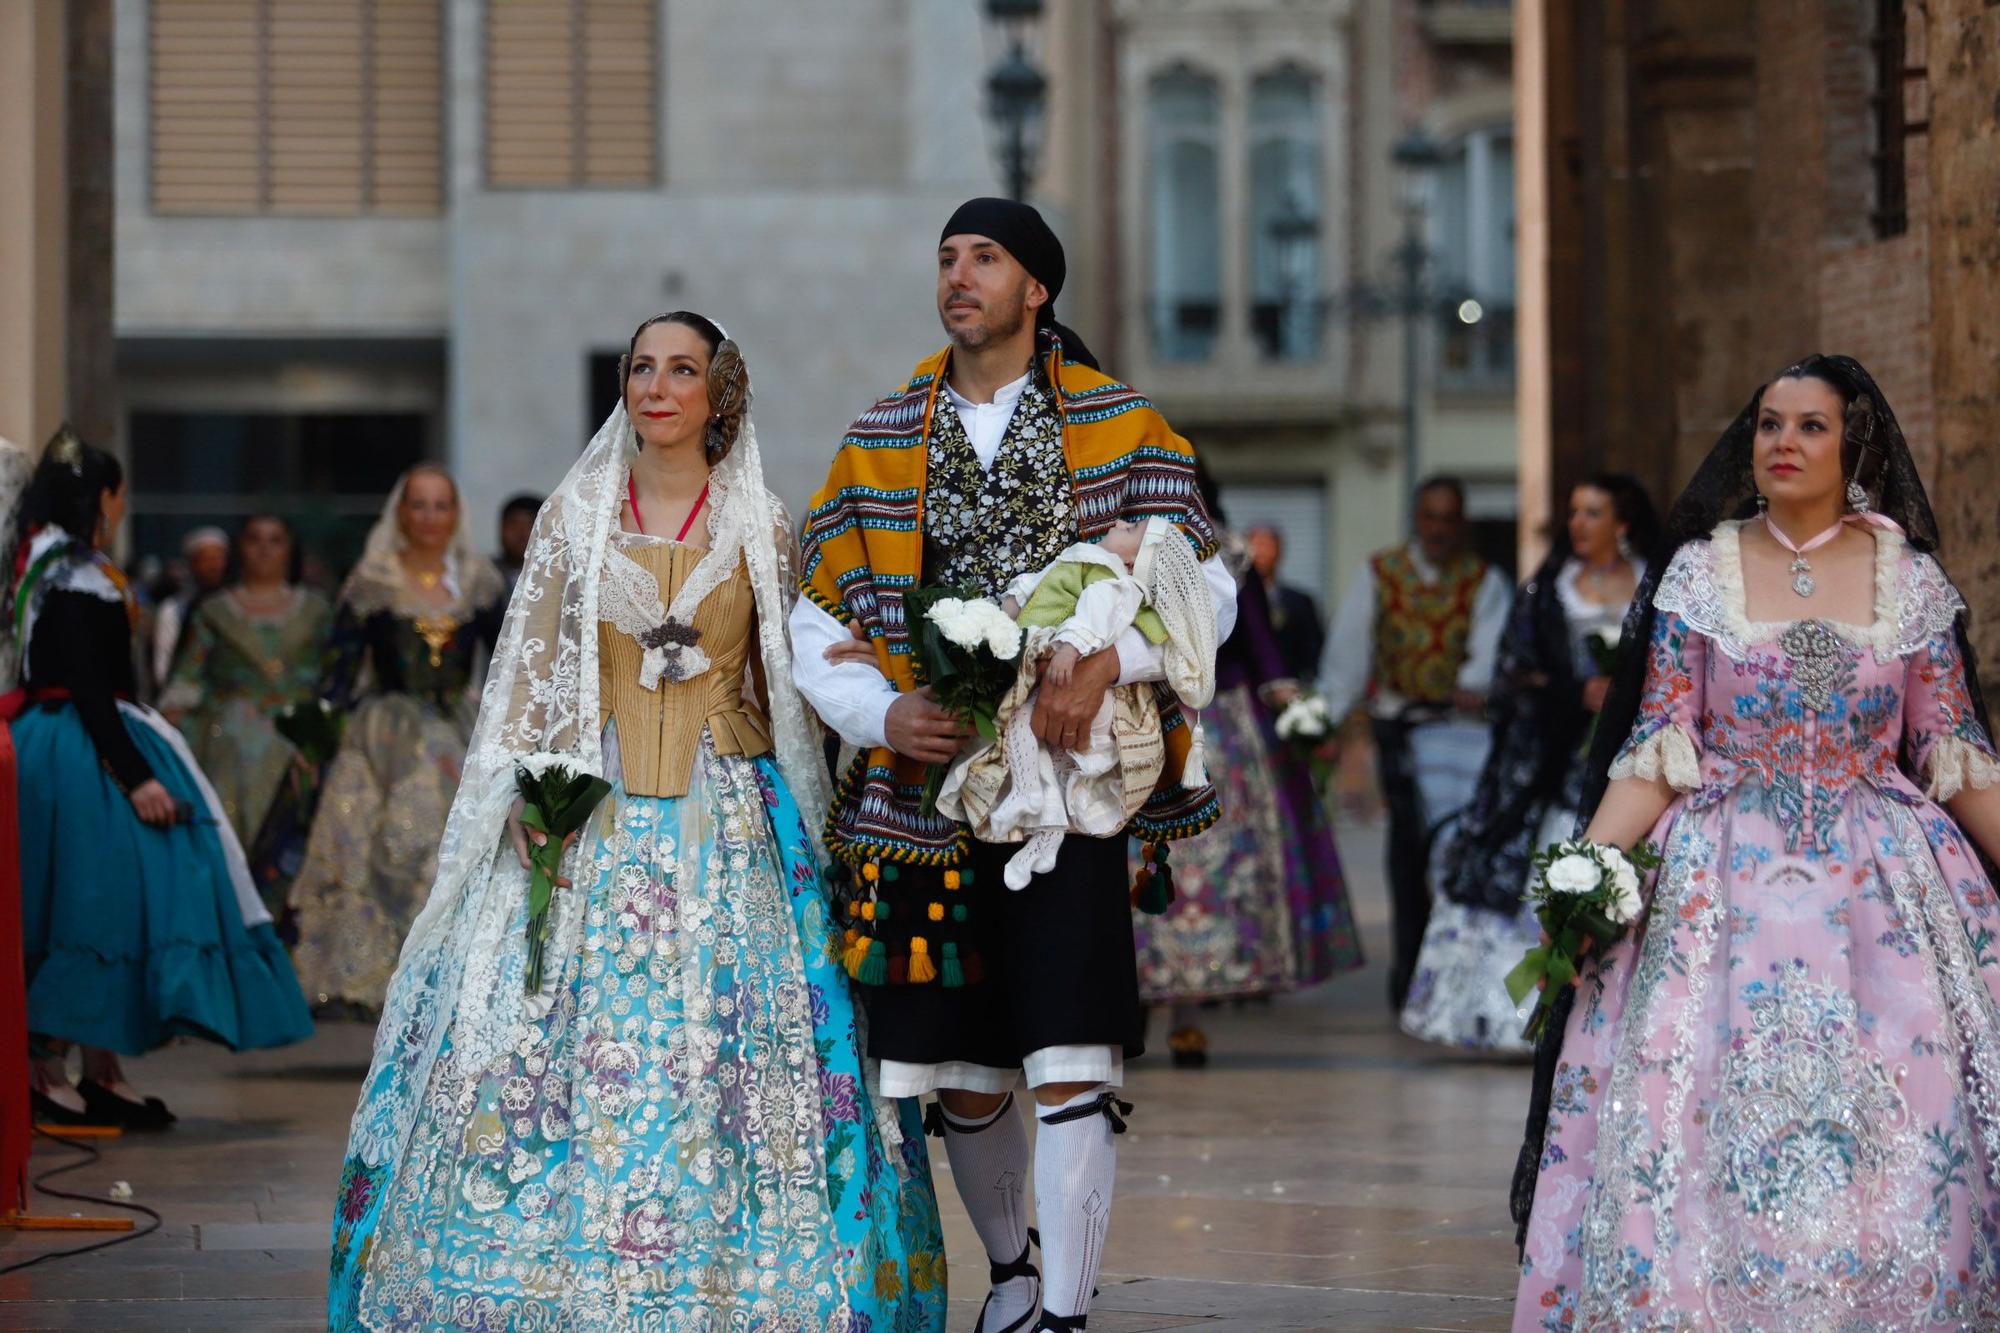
1603 645
1306 723
1585 893
968 651
1306 720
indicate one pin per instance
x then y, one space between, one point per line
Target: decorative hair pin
66 448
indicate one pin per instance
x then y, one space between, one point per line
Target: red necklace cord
632 498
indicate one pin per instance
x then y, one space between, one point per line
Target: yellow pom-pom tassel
871 872
922 969
868 911
854 908
952 879
857 954
937 911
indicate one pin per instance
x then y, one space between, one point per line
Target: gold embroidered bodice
659 730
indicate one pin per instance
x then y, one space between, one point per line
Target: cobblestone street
1324 1172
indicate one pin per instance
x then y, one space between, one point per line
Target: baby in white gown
1140 575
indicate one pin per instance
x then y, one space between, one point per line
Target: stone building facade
350 233
1725 187
1222 168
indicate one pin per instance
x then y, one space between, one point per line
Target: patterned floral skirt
1780 1107
683 1141
1457 995
1260 903
372 853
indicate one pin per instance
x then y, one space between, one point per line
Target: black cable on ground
90 1158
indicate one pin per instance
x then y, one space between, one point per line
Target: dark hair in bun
68 487
728 378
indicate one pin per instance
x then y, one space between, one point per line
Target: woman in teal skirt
139 919
672 1130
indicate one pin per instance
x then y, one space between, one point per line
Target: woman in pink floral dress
1777 1104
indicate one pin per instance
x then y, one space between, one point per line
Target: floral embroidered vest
1421 628
987 528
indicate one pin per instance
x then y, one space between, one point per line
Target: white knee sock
1075 1164
989 1162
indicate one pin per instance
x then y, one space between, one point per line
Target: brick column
1964 59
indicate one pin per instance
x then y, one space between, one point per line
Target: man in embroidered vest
1416 635
1001 450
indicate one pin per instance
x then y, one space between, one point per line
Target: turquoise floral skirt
133 934
682 1141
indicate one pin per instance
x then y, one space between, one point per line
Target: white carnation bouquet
1602 643
968 651
1304 724
1584 893
1306 720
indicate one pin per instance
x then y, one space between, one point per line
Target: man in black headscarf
999 453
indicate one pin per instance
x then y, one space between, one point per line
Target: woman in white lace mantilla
673 1133
415 618
1777 1104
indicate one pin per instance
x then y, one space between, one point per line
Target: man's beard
1000 324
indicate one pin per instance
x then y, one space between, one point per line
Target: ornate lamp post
1416 155
1016 95
1295 235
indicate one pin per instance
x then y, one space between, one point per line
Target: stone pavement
1324 1172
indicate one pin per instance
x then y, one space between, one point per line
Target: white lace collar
1913 599
1577 605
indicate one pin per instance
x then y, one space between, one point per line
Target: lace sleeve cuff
1668 753
1957 764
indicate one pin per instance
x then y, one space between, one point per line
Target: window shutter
317 92
407 106
207 106
312 107
571 92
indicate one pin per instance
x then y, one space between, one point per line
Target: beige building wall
33 257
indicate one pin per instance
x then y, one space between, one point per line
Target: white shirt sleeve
851 697
1140 660
1348 658
1490 608
166 634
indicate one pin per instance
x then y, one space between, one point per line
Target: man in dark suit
1294 614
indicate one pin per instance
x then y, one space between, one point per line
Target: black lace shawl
1536 708
1724 487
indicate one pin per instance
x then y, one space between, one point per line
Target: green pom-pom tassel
881 910
891 873
874 968
1158 893
957 914
951 973
965 876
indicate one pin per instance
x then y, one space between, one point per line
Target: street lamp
1016 94
1416 155
1294 235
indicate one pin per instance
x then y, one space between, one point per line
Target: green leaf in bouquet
983 722
578 802
1561 971
1599 927
1534 965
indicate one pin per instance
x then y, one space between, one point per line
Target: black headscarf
1021 231
1875 453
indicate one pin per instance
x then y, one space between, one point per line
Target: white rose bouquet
1304 724
968 650
1603 645
1584 892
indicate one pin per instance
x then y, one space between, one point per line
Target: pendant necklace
1801 568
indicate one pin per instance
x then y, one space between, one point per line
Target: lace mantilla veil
461 968
1725 487
378 579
